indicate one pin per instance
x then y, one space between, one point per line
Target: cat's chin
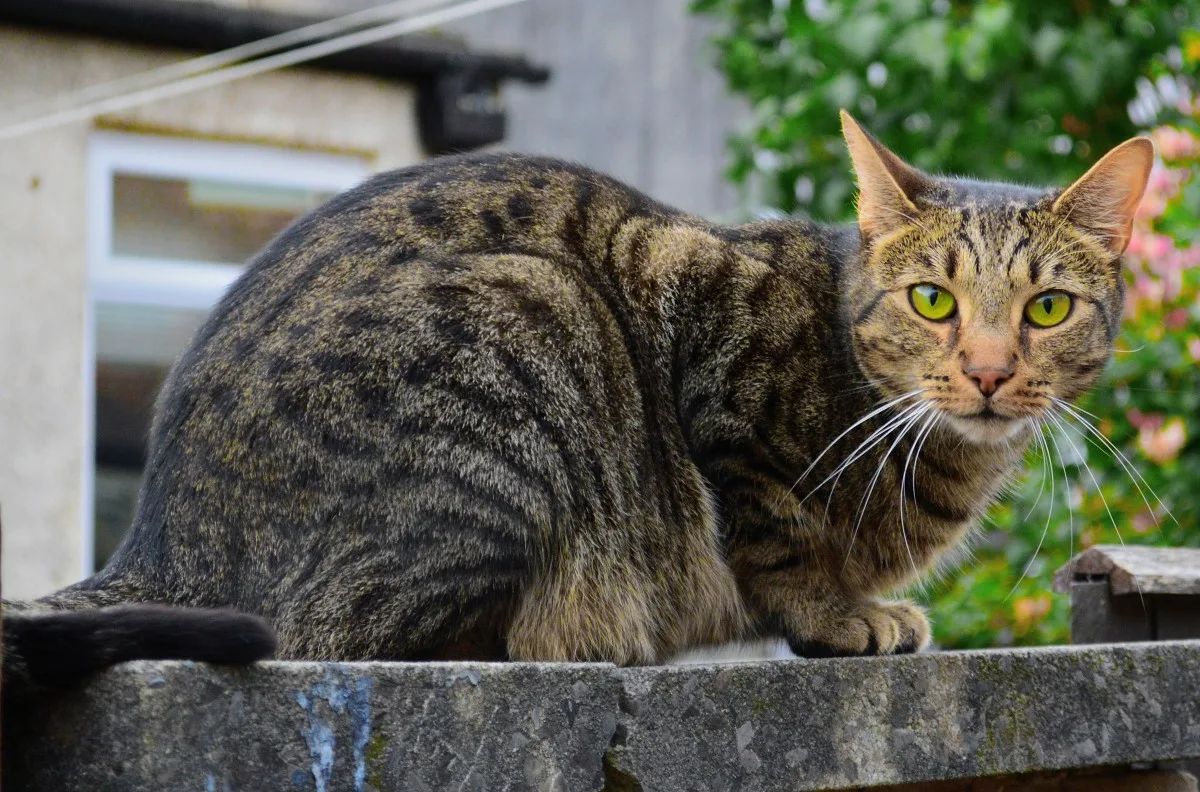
993 430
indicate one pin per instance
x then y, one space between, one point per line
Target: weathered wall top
795 725
1135 569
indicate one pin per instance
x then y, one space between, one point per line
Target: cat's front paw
867 628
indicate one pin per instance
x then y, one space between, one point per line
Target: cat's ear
887 184
1105 198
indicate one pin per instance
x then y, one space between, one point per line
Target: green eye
931 302
1048 309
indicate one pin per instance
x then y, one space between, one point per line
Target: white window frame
166 282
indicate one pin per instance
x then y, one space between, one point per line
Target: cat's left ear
1105 198
887 185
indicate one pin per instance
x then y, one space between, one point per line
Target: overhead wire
232 64
216 60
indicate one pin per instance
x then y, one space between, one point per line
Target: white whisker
914 452
913 418
1049 461
885 406
1099 491
1046 458
876 437
1077 413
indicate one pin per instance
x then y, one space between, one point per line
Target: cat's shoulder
495 168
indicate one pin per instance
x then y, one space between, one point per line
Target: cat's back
472 203
461 310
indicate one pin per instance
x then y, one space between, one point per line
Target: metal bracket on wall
460 111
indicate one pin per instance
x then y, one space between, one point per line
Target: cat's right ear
886 183
1105 199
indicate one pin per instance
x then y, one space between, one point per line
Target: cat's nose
988 380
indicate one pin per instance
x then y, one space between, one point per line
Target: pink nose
988 380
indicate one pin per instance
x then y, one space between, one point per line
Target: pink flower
1160 181
1173 143
1158 246
1143 522
1177 319
1148 289
1162 444
1193 345
1142 421
1135 242
1153 204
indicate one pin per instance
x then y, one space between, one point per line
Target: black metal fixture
459 111
459 104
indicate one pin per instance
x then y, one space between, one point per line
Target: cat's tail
60 640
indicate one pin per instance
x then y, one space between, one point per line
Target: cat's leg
820 615
587 610
434 601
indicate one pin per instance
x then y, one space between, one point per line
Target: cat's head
990 299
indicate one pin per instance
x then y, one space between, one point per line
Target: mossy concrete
773 725
838 724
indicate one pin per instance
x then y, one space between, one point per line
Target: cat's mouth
987 425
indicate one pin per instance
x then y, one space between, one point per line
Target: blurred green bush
1031 92
1147 405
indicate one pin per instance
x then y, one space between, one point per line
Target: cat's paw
868 628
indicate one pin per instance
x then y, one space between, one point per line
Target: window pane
125 394
116 499
145 334
201 220
173 244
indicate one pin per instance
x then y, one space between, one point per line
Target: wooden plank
1098 617
1176 618
1132 569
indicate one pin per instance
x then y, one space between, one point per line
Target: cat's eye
1048 309
931 302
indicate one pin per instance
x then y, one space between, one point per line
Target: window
172 222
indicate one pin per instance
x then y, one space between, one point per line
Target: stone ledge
794 725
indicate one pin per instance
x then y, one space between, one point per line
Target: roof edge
209 27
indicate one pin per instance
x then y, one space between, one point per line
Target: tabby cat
504 407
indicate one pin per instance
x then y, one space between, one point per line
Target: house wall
44 338
633 94
634 91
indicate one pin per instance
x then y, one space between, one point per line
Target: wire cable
100 103
216 60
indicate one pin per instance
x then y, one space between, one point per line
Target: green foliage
1024 90
1028 92
1147 404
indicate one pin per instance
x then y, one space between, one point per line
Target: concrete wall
634 91
44 397
552 727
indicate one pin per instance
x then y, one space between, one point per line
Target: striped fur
498 406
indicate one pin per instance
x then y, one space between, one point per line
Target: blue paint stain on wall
360 725
210 783
344 695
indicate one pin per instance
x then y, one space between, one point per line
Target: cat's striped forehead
991 253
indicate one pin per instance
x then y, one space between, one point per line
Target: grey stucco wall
634 92
44 284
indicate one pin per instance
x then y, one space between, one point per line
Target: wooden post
1131 593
